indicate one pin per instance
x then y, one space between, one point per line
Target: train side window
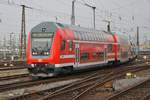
94 55
94 36
63 44
80 37
82 34
76 35
110 48
99 36
89 36
102 37
86 37
84 56
100 55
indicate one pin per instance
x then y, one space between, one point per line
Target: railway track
6 87
11 63
27 74
76 90
13 77
140 91
146 97
12 68
81 90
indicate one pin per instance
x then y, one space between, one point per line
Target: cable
121 7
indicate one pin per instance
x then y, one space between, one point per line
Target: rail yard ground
98 84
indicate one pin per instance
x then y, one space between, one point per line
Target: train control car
54 48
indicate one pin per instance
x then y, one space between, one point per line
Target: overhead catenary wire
105 13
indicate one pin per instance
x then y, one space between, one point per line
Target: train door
77 55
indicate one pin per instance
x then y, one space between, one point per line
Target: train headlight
46 53
34 53
32 65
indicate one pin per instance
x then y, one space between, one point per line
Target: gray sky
124 14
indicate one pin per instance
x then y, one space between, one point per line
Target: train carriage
55 47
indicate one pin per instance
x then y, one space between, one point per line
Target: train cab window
84 56
63 44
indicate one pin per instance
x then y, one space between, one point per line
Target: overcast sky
125 15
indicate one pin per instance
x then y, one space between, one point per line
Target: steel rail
55 94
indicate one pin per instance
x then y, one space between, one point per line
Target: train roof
83 33
45 26
54 25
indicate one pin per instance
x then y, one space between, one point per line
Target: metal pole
10 40
22 33
93 12
138 39
73 13
4 45
108 26
94 16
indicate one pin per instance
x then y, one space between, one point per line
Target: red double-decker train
54 48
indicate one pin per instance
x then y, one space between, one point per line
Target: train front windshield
41 43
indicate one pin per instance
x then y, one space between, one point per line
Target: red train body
53 48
